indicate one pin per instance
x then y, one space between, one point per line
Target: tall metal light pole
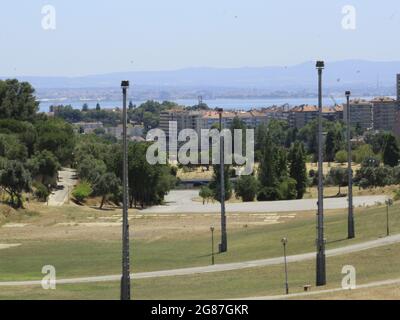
321 273
223 246
350 218
284 242
212 245
389 202
125 280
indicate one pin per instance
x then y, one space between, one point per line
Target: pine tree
298 170
391 152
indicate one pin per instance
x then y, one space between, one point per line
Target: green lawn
74 258
371 265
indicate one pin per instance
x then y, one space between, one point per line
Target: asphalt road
65 184
180 201
221 267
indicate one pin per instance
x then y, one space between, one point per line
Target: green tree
57 136
339 177
106 184
15 179
17 100
205 193
341 156
82 191
297 168
85 107
44 165
215 184
330 146
98 108
246 188
391 152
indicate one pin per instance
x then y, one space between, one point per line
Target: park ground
83 241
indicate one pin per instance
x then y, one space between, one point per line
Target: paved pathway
180 201
222 267
65 184
319 292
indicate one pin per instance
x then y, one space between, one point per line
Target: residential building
88 127
361 113
384 113
398 87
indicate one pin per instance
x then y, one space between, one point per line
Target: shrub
341 156
82 191
41 192
246 188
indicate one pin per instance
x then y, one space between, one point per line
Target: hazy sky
99 36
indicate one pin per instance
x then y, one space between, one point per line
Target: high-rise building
361 114
398 87
384 113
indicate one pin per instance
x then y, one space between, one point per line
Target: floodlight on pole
223 246
321 269
350 218
125 279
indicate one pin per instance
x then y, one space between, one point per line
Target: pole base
125 288
222 248
321 270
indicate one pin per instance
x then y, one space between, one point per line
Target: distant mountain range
348 73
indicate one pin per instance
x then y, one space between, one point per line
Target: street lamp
212 245
284 242
125 279
389 202
223 246
350 218
321 274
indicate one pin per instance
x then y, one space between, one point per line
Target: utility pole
125 280
284 242
212 245
321 273
223 246
350 218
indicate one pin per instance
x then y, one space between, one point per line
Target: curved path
181 201
221 267
321 292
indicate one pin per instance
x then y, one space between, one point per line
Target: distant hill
347 73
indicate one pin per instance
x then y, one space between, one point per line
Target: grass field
88 246
371 265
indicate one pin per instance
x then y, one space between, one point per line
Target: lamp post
350 218
321 274
389 202
212 245
223 246
125 279
284 242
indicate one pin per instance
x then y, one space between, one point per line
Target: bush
246 188
341 156
287 189
269 194
82 191
41 192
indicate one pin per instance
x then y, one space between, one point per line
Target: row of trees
32 146
99 164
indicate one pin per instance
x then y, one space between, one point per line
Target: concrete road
65 184
180 201
221 267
